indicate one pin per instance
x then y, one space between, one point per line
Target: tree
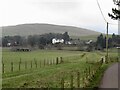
113 36
4 41
110 43
17 39
100 41
116 12
66 36
31 41
115 40
42 41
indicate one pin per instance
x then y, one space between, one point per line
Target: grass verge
96 79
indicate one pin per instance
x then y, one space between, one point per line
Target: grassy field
50 74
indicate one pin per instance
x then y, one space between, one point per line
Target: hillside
32 29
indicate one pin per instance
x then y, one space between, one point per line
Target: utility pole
107 44
119 34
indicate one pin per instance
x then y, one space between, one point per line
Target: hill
32 29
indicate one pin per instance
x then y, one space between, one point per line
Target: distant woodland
44 40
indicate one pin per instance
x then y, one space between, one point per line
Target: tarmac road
111 78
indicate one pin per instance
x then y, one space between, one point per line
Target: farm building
89 42
55 40
73 42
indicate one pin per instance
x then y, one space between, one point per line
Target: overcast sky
80 13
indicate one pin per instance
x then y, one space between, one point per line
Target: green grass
95 81
50 74
39 56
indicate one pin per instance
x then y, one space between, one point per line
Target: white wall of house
90 41
55 40
8 44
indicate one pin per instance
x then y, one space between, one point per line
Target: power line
103 15
101 11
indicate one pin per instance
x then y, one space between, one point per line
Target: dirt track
111 77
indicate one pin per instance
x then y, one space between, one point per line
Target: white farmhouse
8 44
90 41
55 40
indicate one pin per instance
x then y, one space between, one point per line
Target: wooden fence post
86 73
61 60
71 83
31 64
35 62
62 83
78 79
11 66
3 68
93 72
83 80
56 60
19 66
102 60
117 59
